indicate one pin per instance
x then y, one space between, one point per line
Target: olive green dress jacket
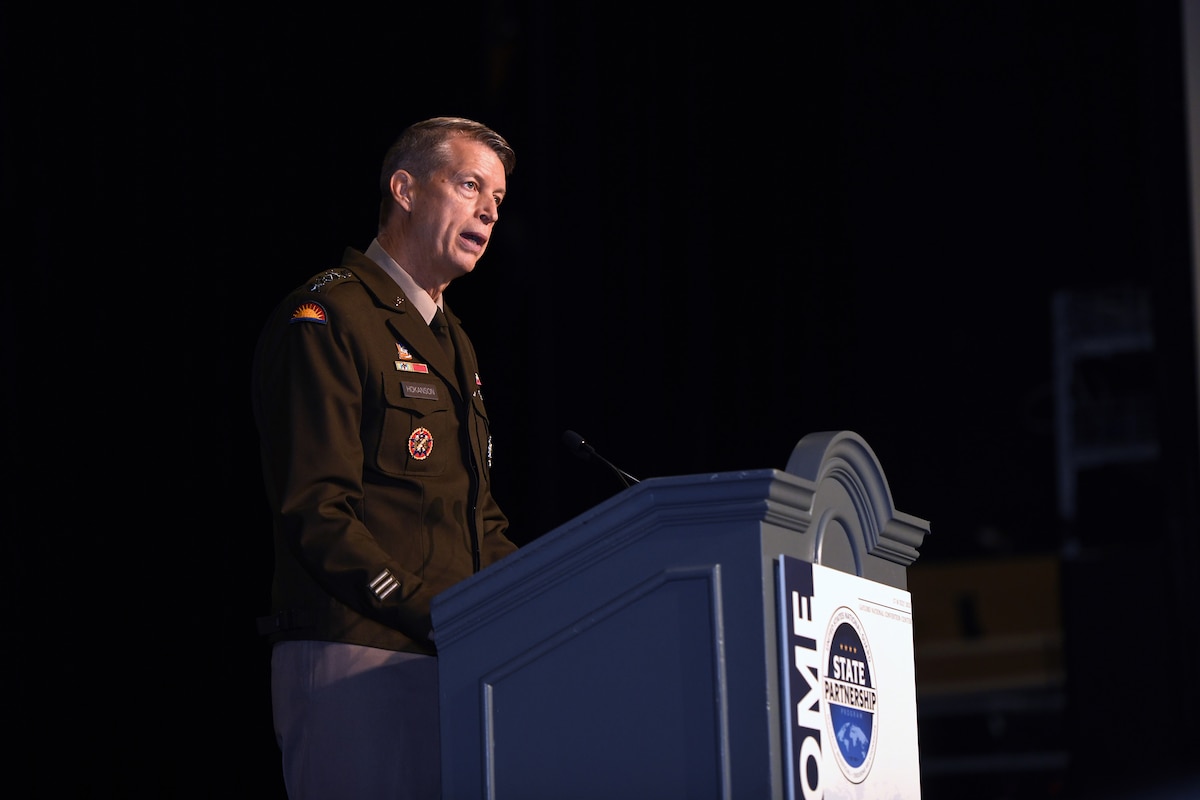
376 456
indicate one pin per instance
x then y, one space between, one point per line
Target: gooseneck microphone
586 452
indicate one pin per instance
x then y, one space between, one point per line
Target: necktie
441 330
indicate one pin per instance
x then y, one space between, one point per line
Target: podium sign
634 652
848 685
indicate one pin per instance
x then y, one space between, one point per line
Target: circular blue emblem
850 695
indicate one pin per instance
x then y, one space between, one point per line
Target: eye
472 185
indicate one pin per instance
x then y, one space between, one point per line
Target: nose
490 212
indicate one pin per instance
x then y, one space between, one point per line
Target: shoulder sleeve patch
309 312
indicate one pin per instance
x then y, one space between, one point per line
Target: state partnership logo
848 688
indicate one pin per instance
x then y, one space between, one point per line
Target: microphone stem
625 477
586 452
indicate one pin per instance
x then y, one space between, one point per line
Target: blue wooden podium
632 652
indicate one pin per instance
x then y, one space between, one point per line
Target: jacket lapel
403 320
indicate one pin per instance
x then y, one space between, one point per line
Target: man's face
454 211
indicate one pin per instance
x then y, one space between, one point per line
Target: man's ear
402 184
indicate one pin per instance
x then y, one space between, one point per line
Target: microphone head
588 453
577 445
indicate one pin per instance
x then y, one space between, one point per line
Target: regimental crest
420 444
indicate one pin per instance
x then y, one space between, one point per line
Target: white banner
848 686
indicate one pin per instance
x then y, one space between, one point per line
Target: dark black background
728 228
